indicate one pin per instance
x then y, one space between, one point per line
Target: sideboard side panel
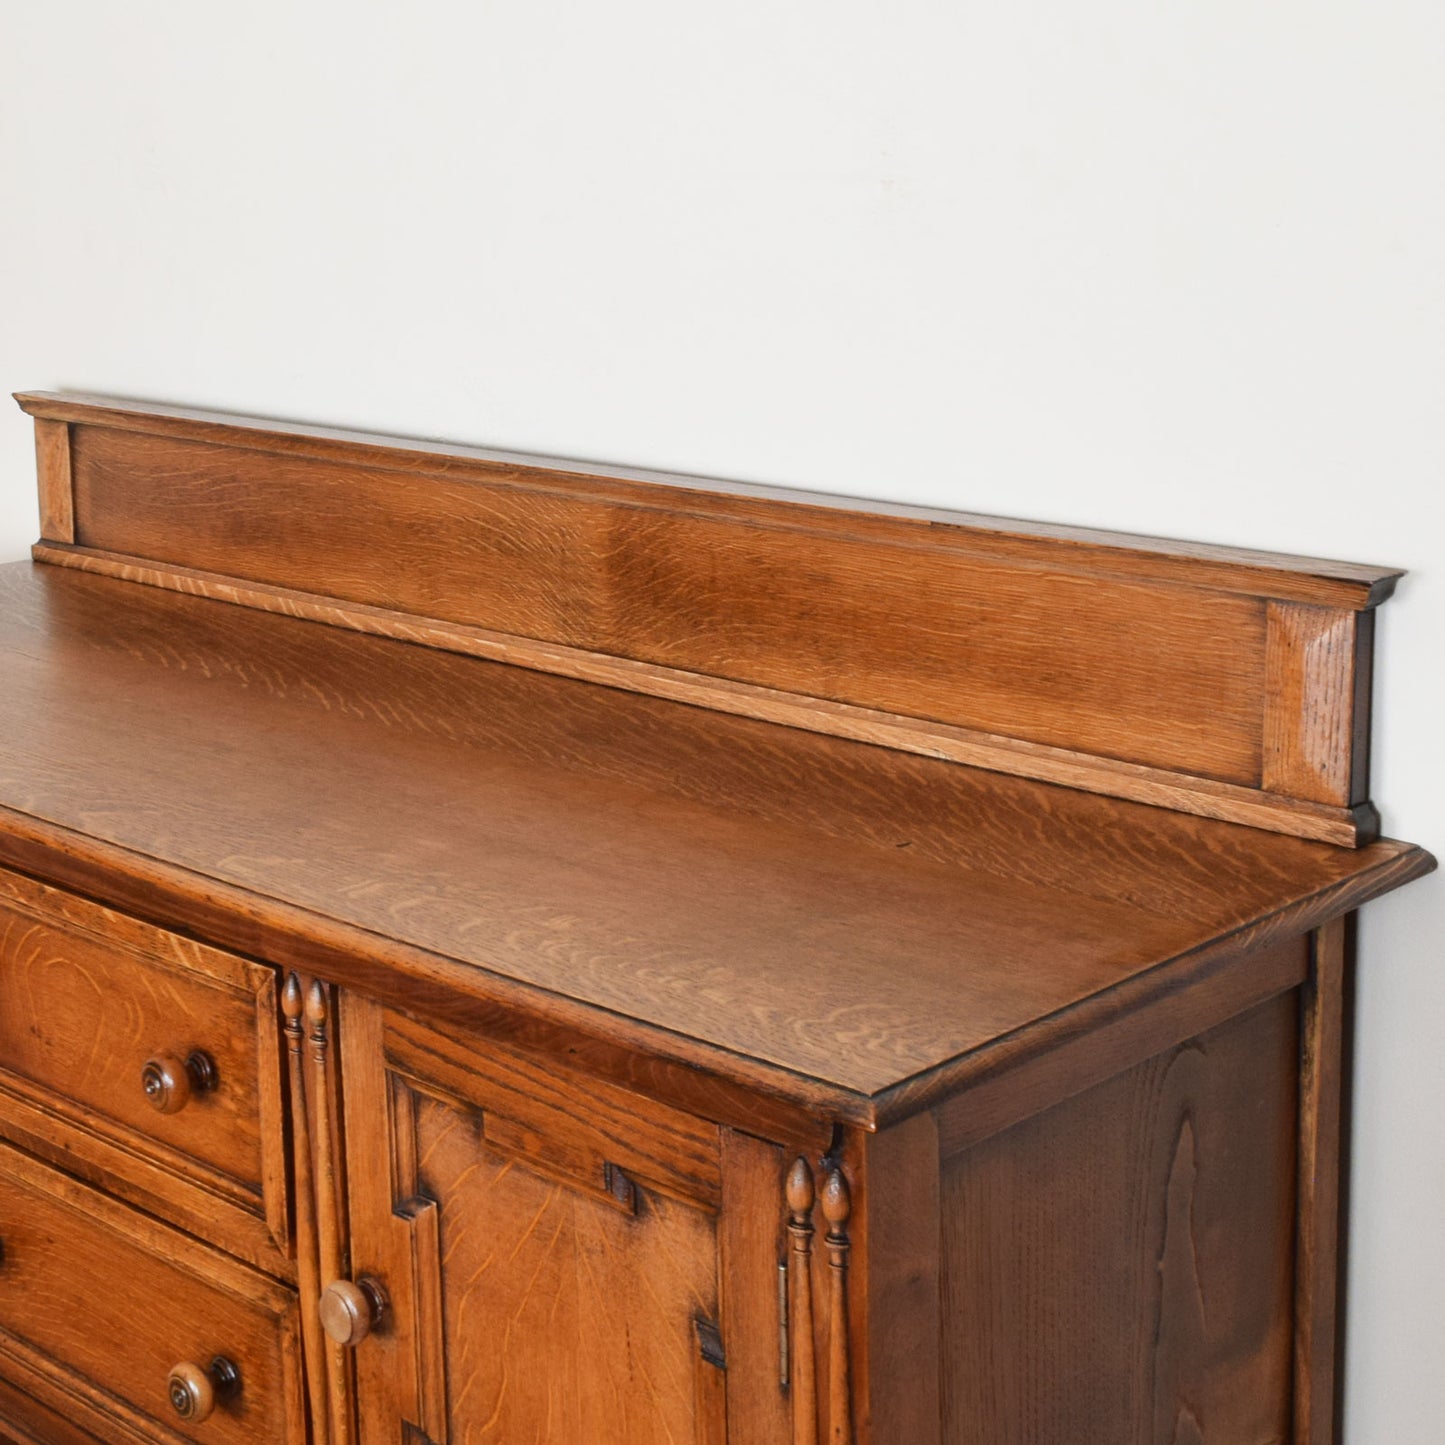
1121 1266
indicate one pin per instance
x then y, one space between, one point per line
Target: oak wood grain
401 1372
52 468
836 1203
333 1256
752 1247
718 1087
806 1346
1061 654
1312 749
598 1310
36 1409
308 1247
1006 1095
80 1142
113 1300
506 817
562 1122
1255 573
586 1325
1113 670
773 971
1287 711
1120 1267
87 997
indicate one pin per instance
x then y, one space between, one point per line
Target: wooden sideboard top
848 928
1207 679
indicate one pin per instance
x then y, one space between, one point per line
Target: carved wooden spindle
328 1199
837 1206
800 1294
308 1262
785 1356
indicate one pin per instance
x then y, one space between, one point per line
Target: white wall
1165 266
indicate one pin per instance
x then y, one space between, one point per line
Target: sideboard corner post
897 1290
1322 1164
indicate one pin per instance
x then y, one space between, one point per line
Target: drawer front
105 1303
34 1411
88 1000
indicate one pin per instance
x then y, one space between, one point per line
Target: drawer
26 1419
103 1019
103 1304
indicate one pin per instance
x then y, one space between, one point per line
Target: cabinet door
552 1252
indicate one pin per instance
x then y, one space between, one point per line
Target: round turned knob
350 1311
170 1082
194 1392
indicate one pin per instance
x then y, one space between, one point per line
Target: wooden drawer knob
194 1392
350 1311
170 1082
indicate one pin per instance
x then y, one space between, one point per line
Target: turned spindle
308 1261
328 1197
837 1206
800 1195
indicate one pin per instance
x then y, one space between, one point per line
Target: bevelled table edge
707 1078
1401 863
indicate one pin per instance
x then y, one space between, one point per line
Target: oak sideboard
504 951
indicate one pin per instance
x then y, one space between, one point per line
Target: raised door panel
564 1315
552 1250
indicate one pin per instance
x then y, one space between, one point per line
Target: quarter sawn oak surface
504 820
1056 653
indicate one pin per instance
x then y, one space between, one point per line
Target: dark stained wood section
501 823
1323 1087
898 1263
1120 1267
1062 654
